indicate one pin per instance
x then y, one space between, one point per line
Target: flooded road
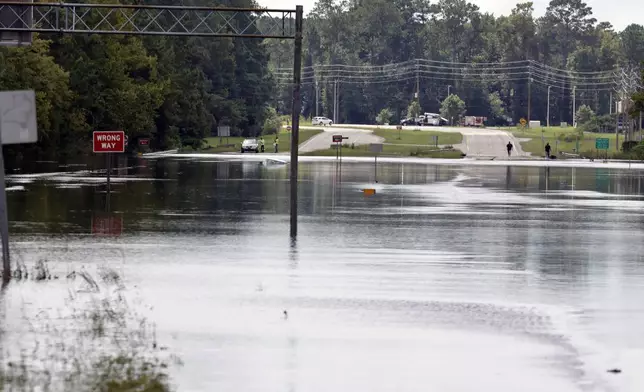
448 279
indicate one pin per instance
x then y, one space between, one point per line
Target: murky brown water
449 278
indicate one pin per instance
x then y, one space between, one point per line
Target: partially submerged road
323 141
477 142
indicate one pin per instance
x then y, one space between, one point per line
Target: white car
321 121
250 145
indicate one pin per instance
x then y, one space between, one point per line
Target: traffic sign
109 141
375 147
601 144
223 131
523 122
18 117
144 142
337 138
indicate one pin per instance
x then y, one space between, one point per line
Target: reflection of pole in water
108 165
508 177
547 175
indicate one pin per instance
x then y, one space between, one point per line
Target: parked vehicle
321 121
474 121
250 145
409 121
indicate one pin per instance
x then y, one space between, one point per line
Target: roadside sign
109 141
144 142
376 147
17 125
105 226
523 122
601 144
223 131
18 117
337 138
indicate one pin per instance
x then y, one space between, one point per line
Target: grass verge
405 136
233 144
564 139
389 150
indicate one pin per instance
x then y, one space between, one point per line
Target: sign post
17 125
223 131
375 148
602 144
108 142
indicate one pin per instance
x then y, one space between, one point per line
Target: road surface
323 141
477 142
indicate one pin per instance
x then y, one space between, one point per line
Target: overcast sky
620 13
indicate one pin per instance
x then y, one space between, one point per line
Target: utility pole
317 98
449 87
610 106
529 100
574 107
417 84
335 101
297 103
548 110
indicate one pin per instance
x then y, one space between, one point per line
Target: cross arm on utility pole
29 17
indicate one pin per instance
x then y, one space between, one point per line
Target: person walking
276 144
548 150
509 147
261 144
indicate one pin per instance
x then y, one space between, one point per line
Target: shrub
627 146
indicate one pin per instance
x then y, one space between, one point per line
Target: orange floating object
369 192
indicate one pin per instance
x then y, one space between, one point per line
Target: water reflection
536 270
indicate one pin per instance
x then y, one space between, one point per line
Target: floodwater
449 278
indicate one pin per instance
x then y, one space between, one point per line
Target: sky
620 13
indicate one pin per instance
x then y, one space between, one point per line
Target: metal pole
4 220
108 165
529 100
295 133
417 84
610 106
548 115
317 99
449 87
574 106
375 169
617 126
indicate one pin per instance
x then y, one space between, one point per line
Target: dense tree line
380 32
176 91
173 90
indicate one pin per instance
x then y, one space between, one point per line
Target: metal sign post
376 148
223 131
17 125
108 142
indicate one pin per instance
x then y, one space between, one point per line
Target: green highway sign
601 144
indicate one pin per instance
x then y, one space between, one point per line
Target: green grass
389 150
418 137
284 141
562 139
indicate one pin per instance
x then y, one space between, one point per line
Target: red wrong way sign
109 141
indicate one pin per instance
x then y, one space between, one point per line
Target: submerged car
250 145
